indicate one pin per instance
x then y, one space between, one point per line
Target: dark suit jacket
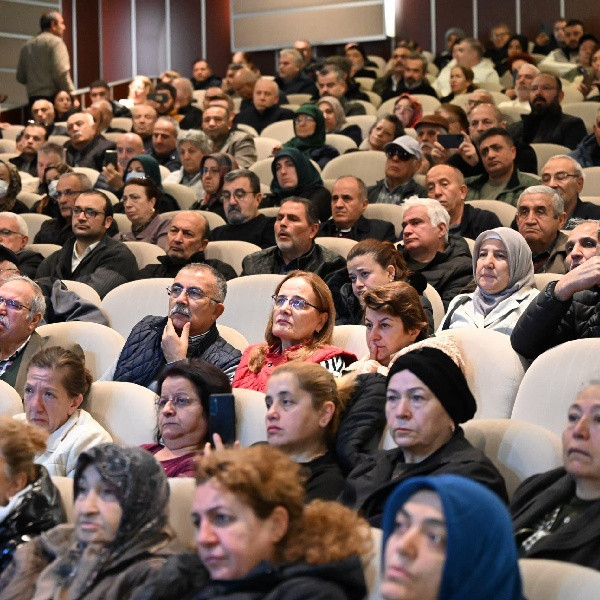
364 228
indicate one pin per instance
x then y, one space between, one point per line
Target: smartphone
159 97
110 158
221 418
450 140
588 75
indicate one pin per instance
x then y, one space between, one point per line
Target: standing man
44 66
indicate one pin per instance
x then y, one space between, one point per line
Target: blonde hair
320 338
264 478
19 443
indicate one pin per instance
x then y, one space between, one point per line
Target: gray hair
435 211
84 180
169 120
197 138
295 54
362 188
21 224
311 212
220 282
558 204
88 117
38 302
251 176
577 221
271 81
576 166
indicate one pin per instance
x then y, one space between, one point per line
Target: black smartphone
450 140
159 97
221 418
110 158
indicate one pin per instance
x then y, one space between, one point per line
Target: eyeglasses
303 119
211 171
90 213
7 232
295 303
13 304
238 194
399 153
178 402
192 293
67 193
560 176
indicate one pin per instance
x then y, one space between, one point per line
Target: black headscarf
308 176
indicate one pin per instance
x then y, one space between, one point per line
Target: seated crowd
345 441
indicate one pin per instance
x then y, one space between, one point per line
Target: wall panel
151 38
461 16
218 38
88 42
186 15
413 21
116 39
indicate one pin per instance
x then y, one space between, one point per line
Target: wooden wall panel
116 39
151 39
413 21
88 43
534 13
461 16
186 15
218 35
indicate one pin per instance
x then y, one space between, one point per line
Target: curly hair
264 478
320 338
19 443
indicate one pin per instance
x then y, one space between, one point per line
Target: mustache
179 309
4 321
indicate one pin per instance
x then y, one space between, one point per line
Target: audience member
427 399
34 137
408 109
309 63
352 88
587 153
190 331
446 184
403 160
187 239
91 256
183 414
113 177
451 37
243 83
568 51
461 82
414 80
164 143
523 81
214 167
296 227
540 218
300 328
99 90
43 113
357 56
428 129
335 120
85 148
348 203
55 385
386 129
190 116
241 198
291 77
14 235
456 117
503 272
331 81
49 154
202 75
444 260
500 37
143 119
10 187
389 85
139 88
566 309
545 42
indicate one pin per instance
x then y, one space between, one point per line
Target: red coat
244 378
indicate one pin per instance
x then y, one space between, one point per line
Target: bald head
243 83
128 146
266 94
43 112
188 234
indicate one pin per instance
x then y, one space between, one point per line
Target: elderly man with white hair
525 76
192 115
291 78
14 235
85 148
443 259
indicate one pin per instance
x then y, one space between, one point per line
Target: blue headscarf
481 556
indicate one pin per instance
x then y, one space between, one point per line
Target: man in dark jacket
186 241
547 123
34 137
444 260
587 154
190 331
291 78
567 309
414 81
85 148
348 203
91 256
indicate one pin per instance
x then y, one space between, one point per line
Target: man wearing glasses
547 123
403 161
92 256
189 331
14 235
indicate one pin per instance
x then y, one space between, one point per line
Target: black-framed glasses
295 303
238 194
178 401
13 304
90 213
399 153
560 176
193 293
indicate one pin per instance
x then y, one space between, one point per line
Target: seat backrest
591 183
374 97
34 222
248 305
555 580
10 401
340 142
28 198
145 253
340 246
65 487
552 382
100 344
280 130
429 103
493 370
543 279
92 174
386 212
231 252
12 131
369 108
250 413
130 302
184 195
123 222
264 146
372 569
122 123
233 337
87 292
517 449
369 165
352 338
544 151
44 249
270 211
247 129
126 410
504 211
262 168
181 500
586 111
436 304
299 98
365 122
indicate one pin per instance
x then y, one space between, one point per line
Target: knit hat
441 375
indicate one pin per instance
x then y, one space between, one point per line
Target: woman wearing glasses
56 383
184 388
309 135
214 167
299 329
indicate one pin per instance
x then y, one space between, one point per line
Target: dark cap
436 120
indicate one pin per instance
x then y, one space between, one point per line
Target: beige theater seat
10 401
145 253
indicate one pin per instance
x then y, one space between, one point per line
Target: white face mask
135 175
52 191
3 188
